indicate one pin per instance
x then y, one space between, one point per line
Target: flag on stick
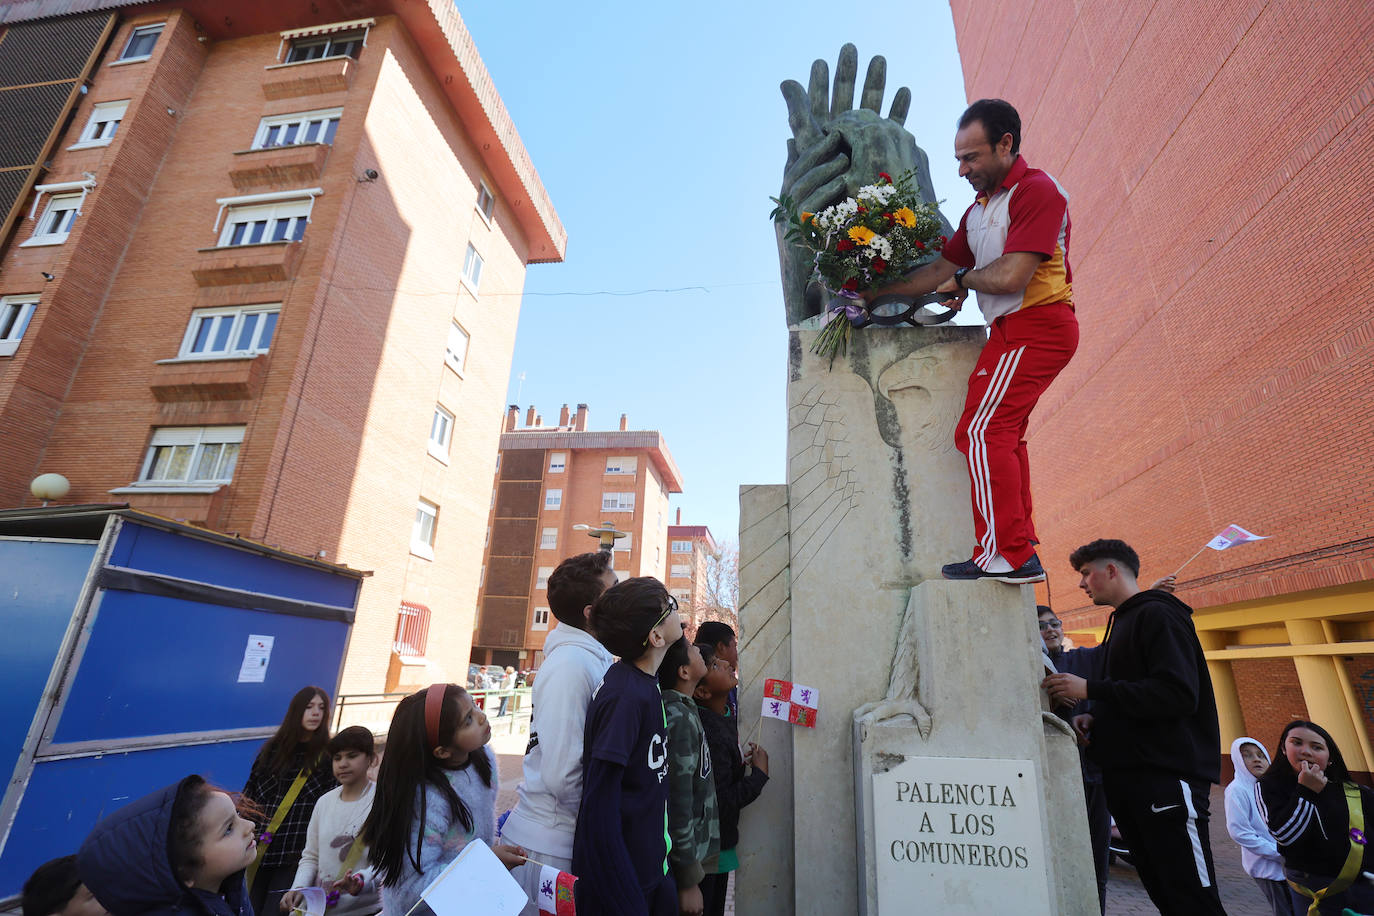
795 703
1233 535
556 892
313 901
475 882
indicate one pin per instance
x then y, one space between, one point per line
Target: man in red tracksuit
1012 247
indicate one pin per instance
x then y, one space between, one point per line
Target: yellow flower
905 217
862 234
806 217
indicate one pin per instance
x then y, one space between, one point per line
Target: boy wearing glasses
1084 662
620 848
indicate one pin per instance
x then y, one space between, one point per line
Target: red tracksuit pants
1024 353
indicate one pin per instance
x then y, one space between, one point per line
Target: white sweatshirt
333 825
1259 854
545 814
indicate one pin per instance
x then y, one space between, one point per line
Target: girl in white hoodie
1259 853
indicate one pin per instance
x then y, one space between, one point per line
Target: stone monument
935 779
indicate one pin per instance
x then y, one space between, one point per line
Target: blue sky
660 133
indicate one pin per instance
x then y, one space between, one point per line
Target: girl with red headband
436 792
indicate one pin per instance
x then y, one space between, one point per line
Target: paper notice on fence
475 882
255 659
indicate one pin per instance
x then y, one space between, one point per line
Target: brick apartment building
690 549
1216 158
548 480
260 267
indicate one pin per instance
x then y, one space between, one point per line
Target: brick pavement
1125 896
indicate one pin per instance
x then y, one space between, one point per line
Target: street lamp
50 486
606 534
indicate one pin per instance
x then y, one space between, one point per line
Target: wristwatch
959 276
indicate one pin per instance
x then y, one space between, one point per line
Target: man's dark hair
1042 609
51 887
715 632
623 615
676 657
998 118
354 738
1106 549
575 584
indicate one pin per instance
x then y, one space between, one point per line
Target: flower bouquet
863 243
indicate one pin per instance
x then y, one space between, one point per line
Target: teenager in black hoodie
1153 729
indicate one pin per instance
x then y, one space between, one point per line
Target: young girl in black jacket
1320 819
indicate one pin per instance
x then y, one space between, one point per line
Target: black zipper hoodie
1153 706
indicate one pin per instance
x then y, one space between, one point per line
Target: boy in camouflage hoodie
692 822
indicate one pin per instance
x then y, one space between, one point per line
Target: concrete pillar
1324 693
1229 715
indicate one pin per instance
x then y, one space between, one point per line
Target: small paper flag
795 703
313 903
1233 535
556 892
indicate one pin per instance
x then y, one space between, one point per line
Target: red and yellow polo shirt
1028 212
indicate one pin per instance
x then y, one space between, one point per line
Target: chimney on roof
512 416
679 516
624 423
563 416
539 419
529 416
581 425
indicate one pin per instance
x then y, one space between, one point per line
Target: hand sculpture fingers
901 105
799 116
827 149
820 91
875 82
846 70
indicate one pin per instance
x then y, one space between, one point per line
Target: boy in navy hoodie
620 850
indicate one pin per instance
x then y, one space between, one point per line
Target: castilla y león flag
555 892
790 702
1233 535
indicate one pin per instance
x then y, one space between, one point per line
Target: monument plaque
963 833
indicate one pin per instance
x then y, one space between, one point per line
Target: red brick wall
1214 157
1270 696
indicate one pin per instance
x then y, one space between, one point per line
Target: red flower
851 284
888 217
843 245
920 246
885 177
862 208
944 239
879 265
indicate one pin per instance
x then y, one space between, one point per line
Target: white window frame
548 539
310 37
197 438
15 314
270 209
154 29
617 502
680 571
236 317
55 224
443 421
472 269
455 360
486 202
558 462
625 544
419 545
683 595
99 130
553 499
682 547
541 619
622 464
302 121
541 579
